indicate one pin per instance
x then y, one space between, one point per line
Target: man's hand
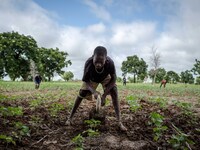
96 93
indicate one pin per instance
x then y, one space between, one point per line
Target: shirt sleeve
112 67
86 75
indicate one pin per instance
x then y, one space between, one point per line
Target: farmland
165 118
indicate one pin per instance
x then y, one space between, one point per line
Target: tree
155 62
131 79
196 68
161 73
33 70
135 66
67 76
119 79
198 80
16 51
1 68
172 77
52 61
187 77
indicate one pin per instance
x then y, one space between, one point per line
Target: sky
124 27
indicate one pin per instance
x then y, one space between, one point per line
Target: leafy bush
180 140
78 140
134 104
92 133
7 139
157 121
11 111
55 108
93 123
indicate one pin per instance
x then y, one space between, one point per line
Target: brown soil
51 132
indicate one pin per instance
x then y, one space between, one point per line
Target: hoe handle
98 103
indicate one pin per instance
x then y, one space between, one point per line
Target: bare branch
155 61
155 58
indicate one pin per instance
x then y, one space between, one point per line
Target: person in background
163 82
99 69
37 80
124 81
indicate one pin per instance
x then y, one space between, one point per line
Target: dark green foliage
67 75
196 68
187 77
161 73
198 80
52 61
135 66
172 77
16 51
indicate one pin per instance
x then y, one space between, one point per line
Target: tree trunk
154 78
134 80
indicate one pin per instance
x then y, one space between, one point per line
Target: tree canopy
187 77
52 61
161 73
67 76
196 68
18 51
172 77
135 66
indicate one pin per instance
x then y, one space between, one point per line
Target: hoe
98 113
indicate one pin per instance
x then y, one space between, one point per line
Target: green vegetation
26 112
20 130
78 140
93 124
55 108
67 76
162 102
11 111
180 140
7 139
91 132
22 58
134 104
16 53
135 66
157 121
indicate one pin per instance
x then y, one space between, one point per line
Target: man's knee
83 93
113 90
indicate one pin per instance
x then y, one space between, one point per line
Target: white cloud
99 11
28 18
132 33
178 43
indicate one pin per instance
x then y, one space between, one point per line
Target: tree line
20 57
138 68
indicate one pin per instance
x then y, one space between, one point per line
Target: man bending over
99 69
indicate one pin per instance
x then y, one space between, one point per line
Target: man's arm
86 78
92 90
113 79
110 85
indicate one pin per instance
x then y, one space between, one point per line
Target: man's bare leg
115 101
76 105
